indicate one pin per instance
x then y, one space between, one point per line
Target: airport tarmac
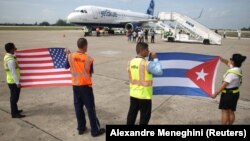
50 111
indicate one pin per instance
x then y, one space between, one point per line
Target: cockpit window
82 11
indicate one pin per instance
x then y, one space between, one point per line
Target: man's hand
214 95
18 85
67 51
225 61
153 55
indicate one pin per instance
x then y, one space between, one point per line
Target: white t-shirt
134 34
140 34
233 79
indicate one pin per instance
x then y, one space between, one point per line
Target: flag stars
201 75
58 56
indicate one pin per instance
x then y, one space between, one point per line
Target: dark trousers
144 106
146 37
152 39
134 39
83 96
14 97
140 39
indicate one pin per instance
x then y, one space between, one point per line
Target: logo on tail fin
151 8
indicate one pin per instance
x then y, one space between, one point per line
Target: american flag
43 67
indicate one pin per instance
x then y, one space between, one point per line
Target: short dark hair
9 47
82 42
141 46
238 59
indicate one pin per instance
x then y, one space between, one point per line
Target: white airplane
95 16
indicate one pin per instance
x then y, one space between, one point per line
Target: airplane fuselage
101 16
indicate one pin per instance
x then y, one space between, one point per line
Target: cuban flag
186 74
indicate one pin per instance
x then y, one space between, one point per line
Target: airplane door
95 13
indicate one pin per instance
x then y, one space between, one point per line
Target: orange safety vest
80 67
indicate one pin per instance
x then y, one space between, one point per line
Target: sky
221 14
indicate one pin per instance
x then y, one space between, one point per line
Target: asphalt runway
50 112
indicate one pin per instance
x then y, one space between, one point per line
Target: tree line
59 22
245 28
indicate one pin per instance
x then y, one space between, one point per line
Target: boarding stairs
195 29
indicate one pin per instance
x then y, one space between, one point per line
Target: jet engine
133 26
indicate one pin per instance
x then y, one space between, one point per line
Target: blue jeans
83 96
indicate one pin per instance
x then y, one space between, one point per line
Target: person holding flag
13 79
81 66
229 88
141 74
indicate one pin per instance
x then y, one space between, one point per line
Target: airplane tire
206 42
170 39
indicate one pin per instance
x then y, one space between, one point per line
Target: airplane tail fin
150 10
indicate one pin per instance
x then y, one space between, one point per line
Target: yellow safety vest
234 72
140 79
237 73
9 77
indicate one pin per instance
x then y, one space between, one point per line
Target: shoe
100 132
20 111
18 116
80 132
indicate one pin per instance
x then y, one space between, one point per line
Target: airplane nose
71 18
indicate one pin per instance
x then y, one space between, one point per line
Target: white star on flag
201 75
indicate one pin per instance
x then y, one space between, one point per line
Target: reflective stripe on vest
76 74
142 71
140 79
233 91
234 72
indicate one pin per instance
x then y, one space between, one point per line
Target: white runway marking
110 52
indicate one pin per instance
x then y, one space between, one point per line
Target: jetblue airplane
95 16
